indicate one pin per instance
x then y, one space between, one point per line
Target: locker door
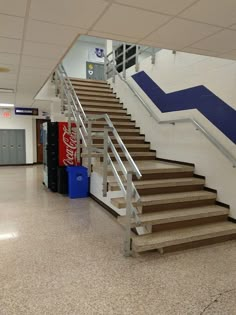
5 147
1 149
20 147
12 146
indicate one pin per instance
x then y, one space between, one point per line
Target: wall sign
26 111
96 54
6 114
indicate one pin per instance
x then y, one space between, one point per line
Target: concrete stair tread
116 123
159 199
153 183
149 167
96 93
98 98
101 110
106 105
73 79
179 236
128 145
178 215
84 88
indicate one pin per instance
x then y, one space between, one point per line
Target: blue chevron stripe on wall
212 107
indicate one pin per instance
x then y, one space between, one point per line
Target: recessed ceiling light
6 105
3 90
4 69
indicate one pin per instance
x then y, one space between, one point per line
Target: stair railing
111 72
85 135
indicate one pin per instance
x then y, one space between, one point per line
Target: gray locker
12 147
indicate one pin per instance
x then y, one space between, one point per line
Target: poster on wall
96 54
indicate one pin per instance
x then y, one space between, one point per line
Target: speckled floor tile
64 257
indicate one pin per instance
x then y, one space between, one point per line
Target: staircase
176 210
167 207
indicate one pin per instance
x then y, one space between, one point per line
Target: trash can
78 183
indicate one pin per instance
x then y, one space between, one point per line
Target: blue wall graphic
212 107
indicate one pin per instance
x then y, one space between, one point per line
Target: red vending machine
66 154
67 145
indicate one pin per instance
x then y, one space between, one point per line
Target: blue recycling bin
78 182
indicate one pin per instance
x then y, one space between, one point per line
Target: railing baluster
89 146
127 242
78 139
105 160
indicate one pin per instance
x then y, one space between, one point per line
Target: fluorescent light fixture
3 90
6 105
8 236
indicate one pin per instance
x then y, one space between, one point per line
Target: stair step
98 99
120 130
161 199
161 183
72 79
101 105
104 111
84 88
126 139
179 215
135 155
130 147
167 238
90 85
117 124
96 93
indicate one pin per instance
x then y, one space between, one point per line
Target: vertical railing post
105 67
153 55
89 146
78 139
113 65
127 243
105 161
69 114
137 58
124 60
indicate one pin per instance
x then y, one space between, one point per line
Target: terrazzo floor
64 257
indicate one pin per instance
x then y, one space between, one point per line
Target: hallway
64 257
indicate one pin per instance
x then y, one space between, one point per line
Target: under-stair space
175 210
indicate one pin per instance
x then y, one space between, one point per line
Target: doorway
95 71
39 139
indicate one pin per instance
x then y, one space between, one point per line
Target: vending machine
59 151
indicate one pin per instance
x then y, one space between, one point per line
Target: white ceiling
35 34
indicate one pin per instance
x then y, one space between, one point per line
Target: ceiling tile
7 83
130 22
181 33
218 43
7 98
10 45
43 50
217 12
164 6
11 26
13 7
9 59
158 44
37 62
51 33
78 13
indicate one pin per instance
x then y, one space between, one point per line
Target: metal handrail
209 136
75 108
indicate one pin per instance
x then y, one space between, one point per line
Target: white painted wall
183 142
26 123
75 61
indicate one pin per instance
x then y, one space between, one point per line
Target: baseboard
210 189
105 206
176 162
27 164
222 204
232 220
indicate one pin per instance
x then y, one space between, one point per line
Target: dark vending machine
50 136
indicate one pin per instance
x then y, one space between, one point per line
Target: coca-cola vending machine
59 151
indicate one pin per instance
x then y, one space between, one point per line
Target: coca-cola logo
69 140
